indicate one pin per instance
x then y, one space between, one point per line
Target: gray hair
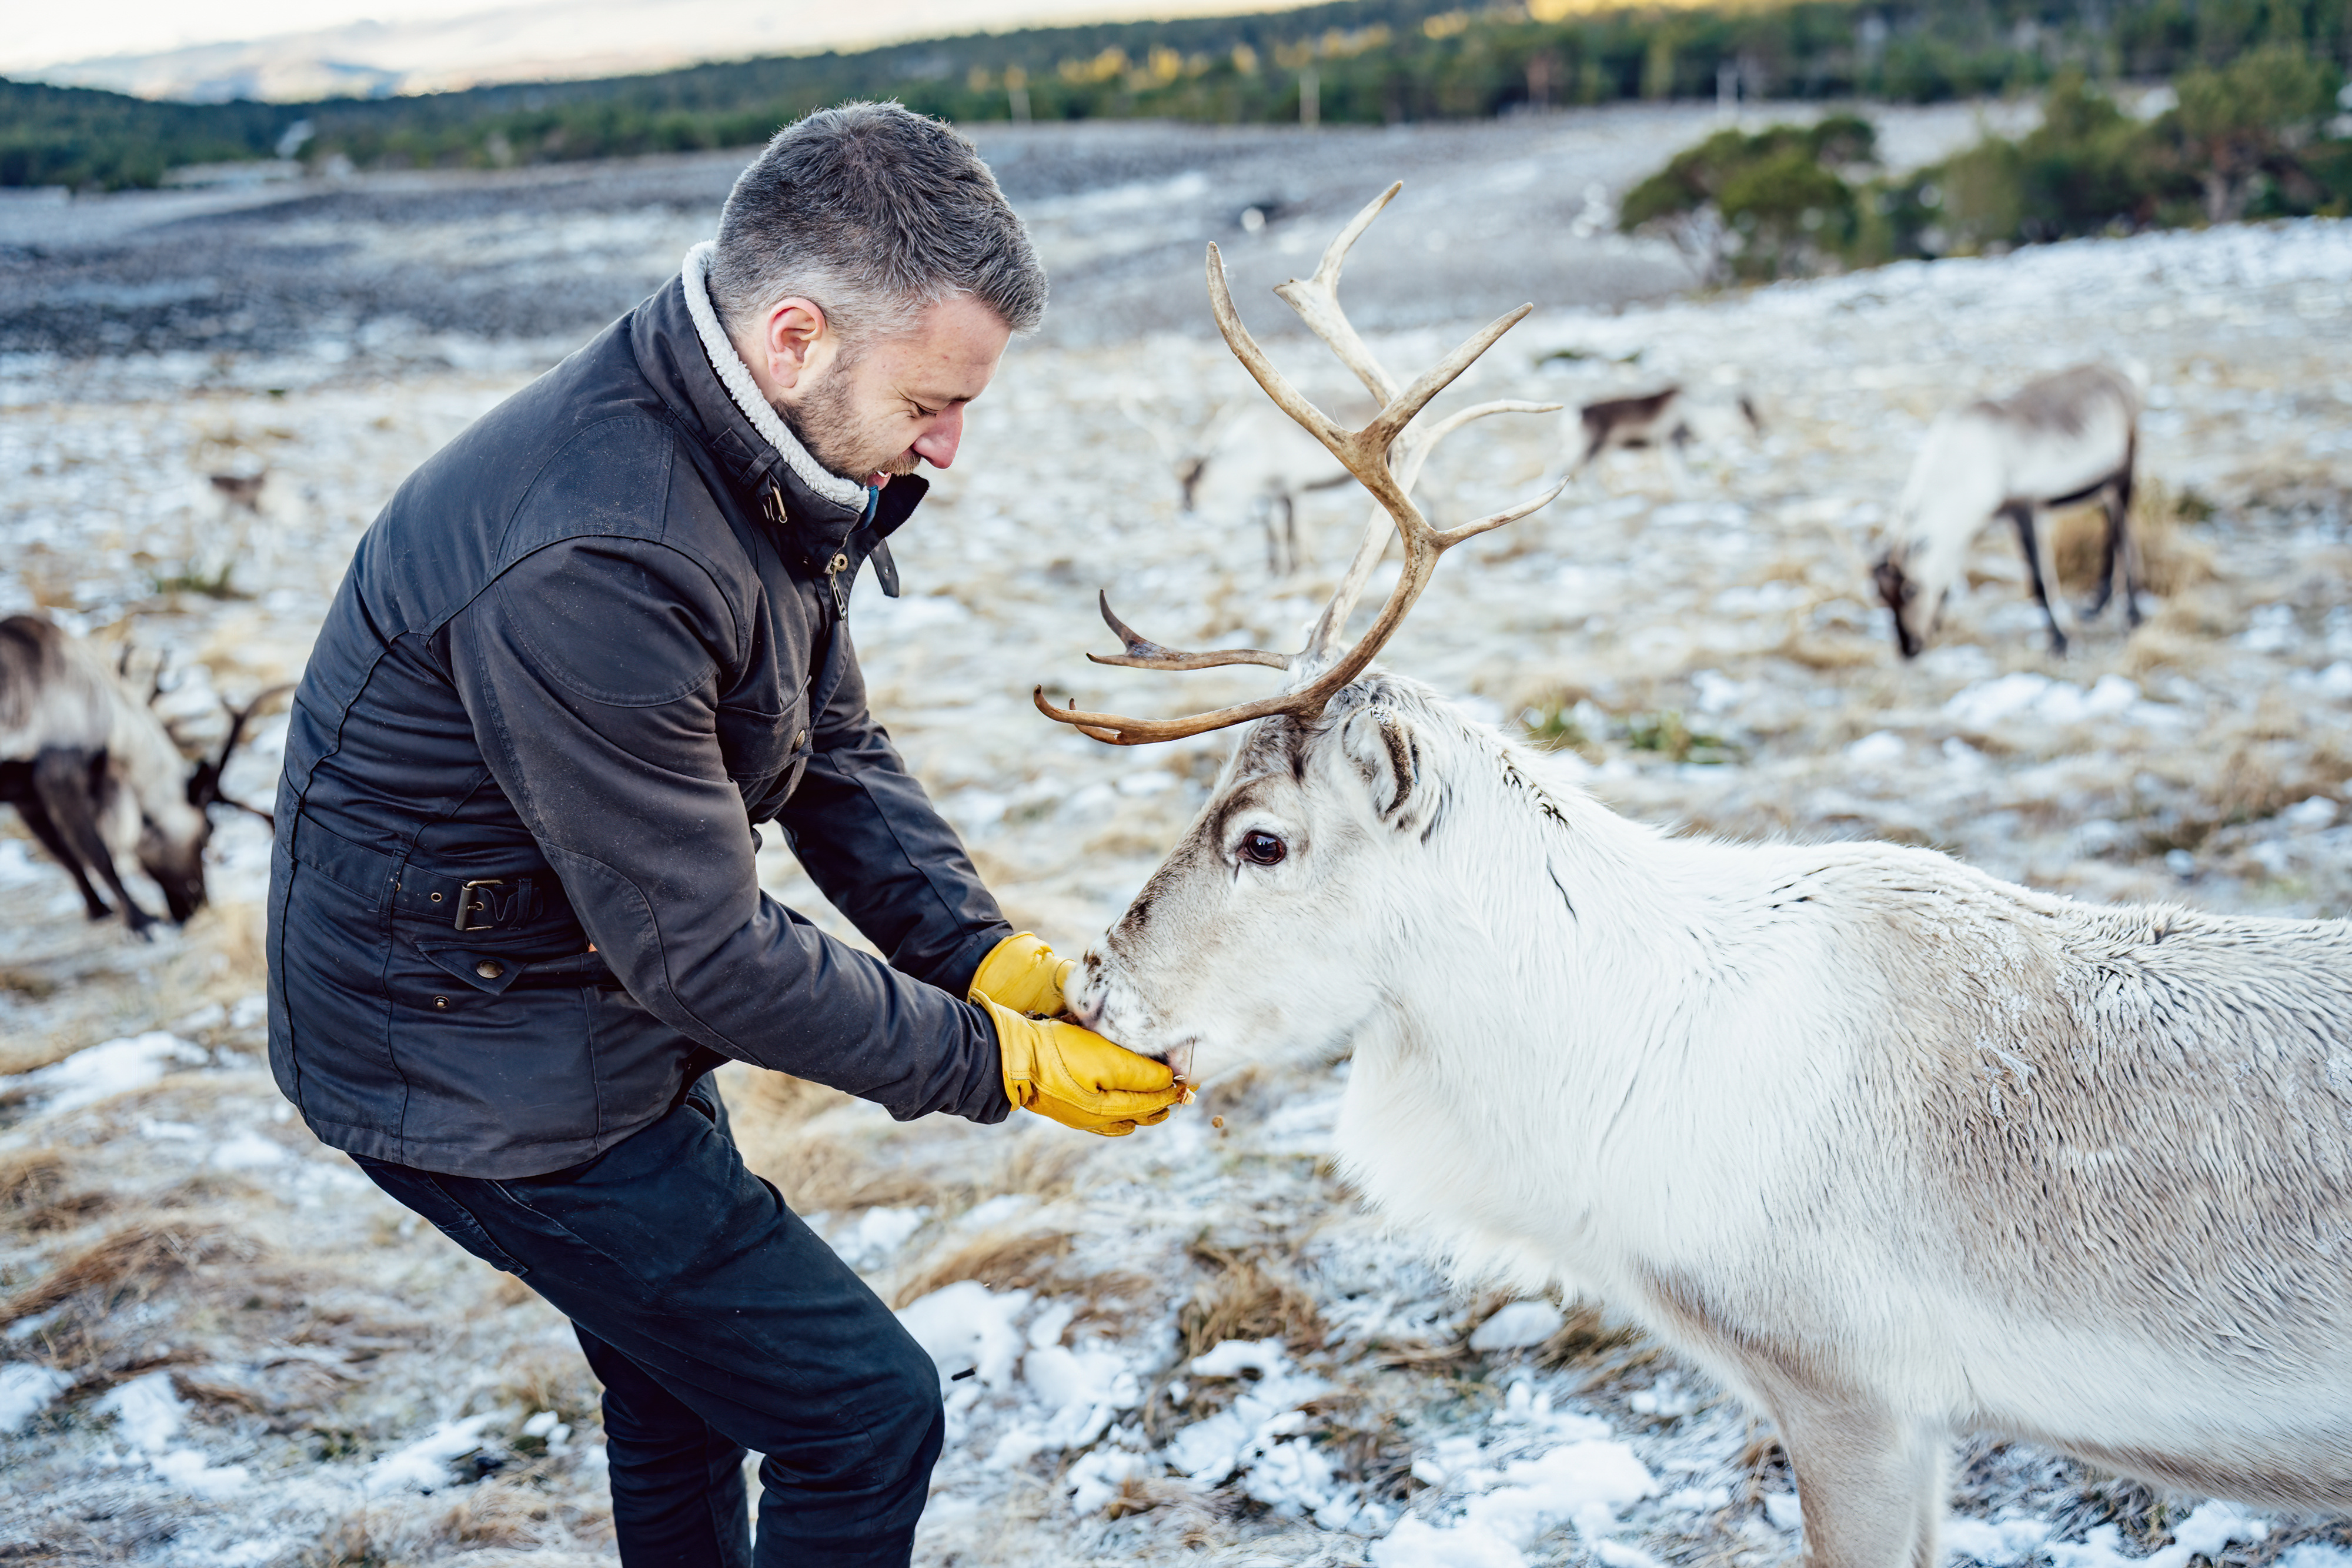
875 213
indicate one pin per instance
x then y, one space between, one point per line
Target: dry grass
552 1379
1247 1295
2170 557
496 1512
34 1195
1000 1259
131 1264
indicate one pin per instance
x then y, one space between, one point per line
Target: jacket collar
683 351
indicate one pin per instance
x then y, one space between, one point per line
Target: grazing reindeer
1664 422
1890 1147
97 777
1247 462
2063 439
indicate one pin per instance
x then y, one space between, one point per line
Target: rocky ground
222 1347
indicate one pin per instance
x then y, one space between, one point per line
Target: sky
39 35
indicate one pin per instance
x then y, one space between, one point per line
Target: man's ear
790 336
1393 763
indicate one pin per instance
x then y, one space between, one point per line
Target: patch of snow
1587 1484
101 1071
1877 749
1786 1512
876 1236
2318 811
2203 1534
1518 1326
249 1151
1996 1543
424 1464
27 1390
1095 1480
968 1327
147 1413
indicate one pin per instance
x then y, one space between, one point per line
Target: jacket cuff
954 976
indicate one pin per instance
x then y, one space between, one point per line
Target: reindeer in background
98 777
1243 463
1892 1148
2058 441
1667 422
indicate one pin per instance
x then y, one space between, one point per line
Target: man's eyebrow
935 399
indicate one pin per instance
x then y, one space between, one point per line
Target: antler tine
1316 300
1408 457
1143 653
1438 377
1119 730
1287 397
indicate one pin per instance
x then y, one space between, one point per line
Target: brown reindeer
98 777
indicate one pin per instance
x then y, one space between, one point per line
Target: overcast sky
39 34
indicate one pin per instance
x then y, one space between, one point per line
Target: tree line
1356 62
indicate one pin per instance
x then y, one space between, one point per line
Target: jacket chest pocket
758 746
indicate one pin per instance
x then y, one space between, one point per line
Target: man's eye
1263 849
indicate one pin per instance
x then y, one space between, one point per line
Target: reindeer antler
203 784
1386 458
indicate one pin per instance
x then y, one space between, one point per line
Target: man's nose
938 444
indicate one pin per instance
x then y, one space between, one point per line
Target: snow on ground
219 1345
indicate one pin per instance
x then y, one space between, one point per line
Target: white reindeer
97 778
1892 1148
2064 439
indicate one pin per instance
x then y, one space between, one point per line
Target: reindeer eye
1263 849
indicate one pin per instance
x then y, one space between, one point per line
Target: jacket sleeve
589 671
872 841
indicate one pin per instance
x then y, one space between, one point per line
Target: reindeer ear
1391 762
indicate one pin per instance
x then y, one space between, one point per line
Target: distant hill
1356 61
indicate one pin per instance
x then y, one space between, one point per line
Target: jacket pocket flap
490 972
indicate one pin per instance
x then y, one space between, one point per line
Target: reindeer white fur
2068 437
1894 1149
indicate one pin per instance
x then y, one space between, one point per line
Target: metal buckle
467 903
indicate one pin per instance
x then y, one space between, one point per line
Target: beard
826 424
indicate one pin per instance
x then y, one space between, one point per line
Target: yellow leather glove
1077 1078
1023 973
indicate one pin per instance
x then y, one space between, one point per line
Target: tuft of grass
190 579
2170 559
1670 736
1000 1259
496 1512
34 1195
1245 1295
131 1264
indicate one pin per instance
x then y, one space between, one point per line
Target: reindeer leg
1289 533
66 783
1870 1483
2108 553
2127 544
43 828
2033 540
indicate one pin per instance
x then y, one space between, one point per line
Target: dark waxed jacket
585 649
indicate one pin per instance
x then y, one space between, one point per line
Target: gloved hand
1023 973
1077 1077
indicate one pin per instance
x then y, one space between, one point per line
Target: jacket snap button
440 1001
489 969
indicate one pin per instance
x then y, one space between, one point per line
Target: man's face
870 410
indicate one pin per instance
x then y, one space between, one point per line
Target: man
513 921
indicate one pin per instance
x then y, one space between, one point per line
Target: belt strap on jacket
478 903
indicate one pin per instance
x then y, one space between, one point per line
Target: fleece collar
736 377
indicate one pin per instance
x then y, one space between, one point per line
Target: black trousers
719 1323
